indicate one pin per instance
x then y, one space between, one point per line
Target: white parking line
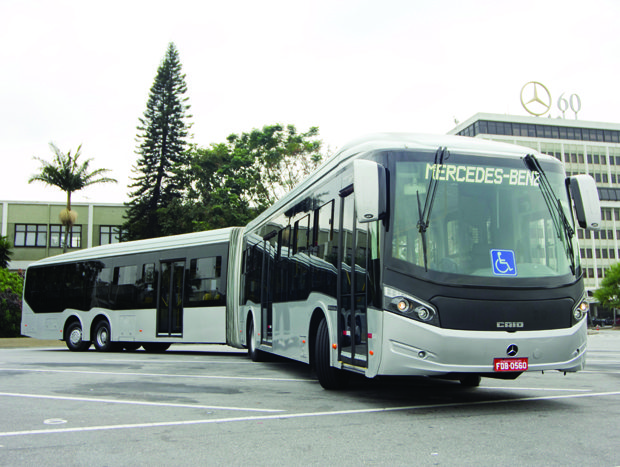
174 362
516 388
157 404
298 415
163 375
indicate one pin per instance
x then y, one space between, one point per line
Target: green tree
237 180
69 174
5 252
161 169
608 295
11 288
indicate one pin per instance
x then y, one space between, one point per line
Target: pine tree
163 161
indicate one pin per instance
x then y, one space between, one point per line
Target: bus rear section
148 293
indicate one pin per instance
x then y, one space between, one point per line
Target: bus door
170 302
352 280
268 287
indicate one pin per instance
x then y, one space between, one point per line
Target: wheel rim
76 336
102 337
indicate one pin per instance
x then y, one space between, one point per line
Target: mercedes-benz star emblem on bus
512 350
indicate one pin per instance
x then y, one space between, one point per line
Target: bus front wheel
74 338
253 352
329 377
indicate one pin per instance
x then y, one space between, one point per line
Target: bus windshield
489 221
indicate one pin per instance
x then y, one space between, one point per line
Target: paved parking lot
211 405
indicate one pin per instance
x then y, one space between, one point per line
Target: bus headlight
409 306
580 311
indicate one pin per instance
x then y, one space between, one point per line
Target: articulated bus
401 255
412 255
148 293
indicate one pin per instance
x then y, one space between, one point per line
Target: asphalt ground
210 405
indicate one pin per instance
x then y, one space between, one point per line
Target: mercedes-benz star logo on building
535 98
512 350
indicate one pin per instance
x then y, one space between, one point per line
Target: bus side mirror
370 190
587 205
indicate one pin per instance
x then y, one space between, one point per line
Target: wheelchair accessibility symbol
504 263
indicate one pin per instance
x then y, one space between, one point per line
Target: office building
585 148
35 231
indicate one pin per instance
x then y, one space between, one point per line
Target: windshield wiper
425 214
561 223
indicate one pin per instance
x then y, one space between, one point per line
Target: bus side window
205 282
125 287
146 286
326 250
254 261
102 288
302 235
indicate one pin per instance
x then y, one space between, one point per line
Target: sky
79 72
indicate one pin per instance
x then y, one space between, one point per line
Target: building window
109 234
30 235
606 214
57 236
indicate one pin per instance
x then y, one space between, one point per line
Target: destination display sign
482 174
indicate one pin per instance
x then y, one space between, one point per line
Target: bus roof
141 246
397 142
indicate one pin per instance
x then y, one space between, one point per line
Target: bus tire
470 381
155 347
131 346
253 352
103 337
329 377
74 338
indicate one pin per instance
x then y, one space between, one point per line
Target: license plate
510 364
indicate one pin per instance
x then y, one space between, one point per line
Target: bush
11 286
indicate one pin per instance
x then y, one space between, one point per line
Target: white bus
402 255
414 255
148 293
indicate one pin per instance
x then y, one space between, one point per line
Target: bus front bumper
413 348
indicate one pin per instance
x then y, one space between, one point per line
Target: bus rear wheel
329 377
74 338
155 347
131 346
103 337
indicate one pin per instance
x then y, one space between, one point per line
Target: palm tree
66 173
